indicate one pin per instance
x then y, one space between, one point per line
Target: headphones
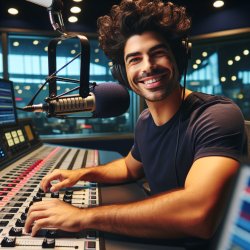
179 50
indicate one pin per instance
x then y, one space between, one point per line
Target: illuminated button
5 189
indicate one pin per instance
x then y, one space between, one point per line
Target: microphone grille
111 99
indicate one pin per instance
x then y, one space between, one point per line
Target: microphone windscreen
111 99
43 3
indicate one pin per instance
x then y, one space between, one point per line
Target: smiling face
150 65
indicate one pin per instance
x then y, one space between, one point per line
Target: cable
179 118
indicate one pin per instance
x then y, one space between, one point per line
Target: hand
53 214
67 178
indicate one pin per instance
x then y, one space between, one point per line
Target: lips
152 81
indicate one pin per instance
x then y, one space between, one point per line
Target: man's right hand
67 178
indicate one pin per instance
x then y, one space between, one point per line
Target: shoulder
213 110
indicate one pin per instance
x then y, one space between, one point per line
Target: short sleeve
220 131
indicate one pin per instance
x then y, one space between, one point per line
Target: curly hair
137 16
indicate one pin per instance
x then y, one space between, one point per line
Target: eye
160 53
134 60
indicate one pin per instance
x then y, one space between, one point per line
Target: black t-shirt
207 125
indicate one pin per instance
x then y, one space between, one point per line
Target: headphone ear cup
119 73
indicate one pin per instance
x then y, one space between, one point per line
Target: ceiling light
13 11
198 61
72 19
218 4
35 42
223 79
195 66
16 44
230 62
75 10
204 54
237 58
246 52
77 1
233 78
240 96
27 87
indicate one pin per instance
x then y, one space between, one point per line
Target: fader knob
69 192
23 216
15 231
48 243
37 198
8 242
67 200
55 195
20 223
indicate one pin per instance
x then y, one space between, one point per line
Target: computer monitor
8 114
235 232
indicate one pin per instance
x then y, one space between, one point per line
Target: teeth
152 80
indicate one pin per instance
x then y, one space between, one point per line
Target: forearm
113 172
166 216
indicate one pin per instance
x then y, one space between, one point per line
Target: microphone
105 100
43 3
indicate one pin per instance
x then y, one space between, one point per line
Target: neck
163 111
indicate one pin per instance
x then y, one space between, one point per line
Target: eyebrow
158 46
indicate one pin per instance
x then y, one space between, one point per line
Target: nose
148 64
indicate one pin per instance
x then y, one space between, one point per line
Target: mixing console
19 188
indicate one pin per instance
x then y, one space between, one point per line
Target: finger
60 185
38 206
45 183
41 223
31 218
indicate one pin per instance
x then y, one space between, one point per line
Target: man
187 144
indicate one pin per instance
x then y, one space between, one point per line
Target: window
223 68
28 69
